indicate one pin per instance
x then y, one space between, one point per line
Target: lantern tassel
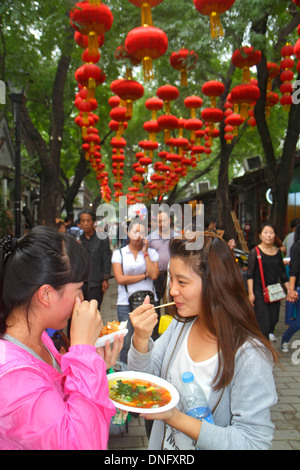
215 25
146 14
246 75
147 68
183 77
93 43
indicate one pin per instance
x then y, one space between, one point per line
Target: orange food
111 327
138 393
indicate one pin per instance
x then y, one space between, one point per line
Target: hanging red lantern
167 122
192 125
274 71
244 95
152 128
271 100
146 43
83 41
183 60
244 58
212 116
235 120
167 93
214 9
154 104
193 102
129 91
87 18
213 88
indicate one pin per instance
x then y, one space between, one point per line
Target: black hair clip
8 244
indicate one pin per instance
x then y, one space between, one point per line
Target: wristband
145 275
146 254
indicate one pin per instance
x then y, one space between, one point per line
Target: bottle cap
187 377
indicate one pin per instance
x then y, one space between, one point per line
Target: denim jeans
294 325
123 315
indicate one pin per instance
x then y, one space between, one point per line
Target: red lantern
87 18
213 88
235 120
274 71
152 128
146 43
244 95
154 104
129 91
193 102
212 116
183 61
167 93
214 9
244 58
271 100
83 41
297 49
192 125
167 122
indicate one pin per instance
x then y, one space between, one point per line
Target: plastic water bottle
193 399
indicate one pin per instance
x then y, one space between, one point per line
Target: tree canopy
37 43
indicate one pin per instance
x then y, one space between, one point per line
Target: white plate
122 331
151 378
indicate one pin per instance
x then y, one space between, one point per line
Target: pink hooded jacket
42 409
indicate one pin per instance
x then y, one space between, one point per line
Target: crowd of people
52 284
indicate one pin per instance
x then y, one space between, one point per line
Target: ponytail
7 246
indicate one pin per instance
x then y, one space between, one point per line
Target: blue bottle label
202 412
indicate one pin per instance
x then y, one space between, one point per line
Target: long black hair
42 256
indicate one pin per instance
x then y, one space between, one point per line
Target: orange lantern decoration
214 9
146 43
244 58
213 88
183 60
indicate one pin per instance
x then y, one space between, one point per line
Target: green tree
38 36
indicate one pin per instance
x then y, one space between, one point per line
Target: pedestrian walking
292 317
99 256
267 314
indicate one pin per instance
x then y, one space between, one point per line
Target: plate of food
139 392
110 330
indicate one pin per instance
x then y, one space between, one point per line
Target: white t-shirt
204 373
132 266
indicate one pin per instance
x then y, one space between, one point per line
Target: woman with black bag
135 267
267 314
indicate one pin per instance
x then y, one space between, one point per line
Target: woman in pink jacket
49 401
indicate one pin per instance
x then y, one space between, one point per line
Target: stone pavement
285 414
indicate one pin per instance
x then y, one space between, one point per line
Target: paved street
285 414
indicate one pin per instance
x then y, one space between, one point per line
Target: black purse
137 298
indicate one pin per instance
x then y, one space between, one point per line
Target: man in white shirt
159 240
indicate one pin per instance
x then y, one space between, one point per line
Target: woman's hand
251 298
168 416
292 295
110 355
86 322
143 319
145 245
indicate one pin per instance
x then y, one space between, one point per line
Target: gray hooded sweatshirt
242 410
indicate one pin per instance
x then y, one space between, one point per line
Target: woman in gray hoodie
215 335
